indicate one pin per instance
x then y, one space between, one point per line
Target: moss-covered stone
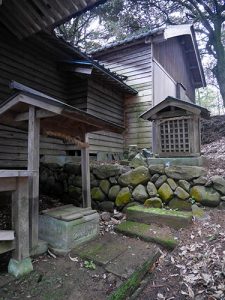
123 197
104 186
130 204
160 216
106 171
159 168
145 233
134 177
184 184
97 194
172 183
205 195
179 204
153 202
218 183
181 193
113 192
74 191
140 193
160 181
106 206
151 189
185 172
165 192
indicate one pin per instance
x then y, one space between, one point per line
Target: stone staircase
155 225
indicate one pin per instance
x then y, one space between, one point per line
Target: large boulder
205 195
159 168
218 183
113 192
181 193
106 171
104 186
154 202
97 194
123 197
74 191
152 191
134 177
165 192
140 193
185 172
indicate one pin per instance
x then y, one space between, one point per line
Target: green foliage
89 265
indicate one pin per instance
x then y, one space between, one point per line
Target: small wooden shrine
176 127
38 113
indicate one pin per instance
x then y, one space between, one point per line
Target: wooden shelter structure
40 113
176 127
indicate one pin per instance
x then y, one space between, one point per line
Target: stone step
171 218
149 233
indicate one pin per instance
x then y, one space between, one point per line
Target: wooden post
85 169
33 165
20 218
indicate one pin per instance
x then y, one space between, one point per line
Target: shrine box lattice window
175 135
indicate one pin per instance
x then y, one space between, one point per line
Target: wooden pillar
33 165
85 169
20 219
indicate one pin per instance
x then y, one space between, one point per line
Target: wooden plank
7 235
33 165
20 219
7 246
7 184
85 171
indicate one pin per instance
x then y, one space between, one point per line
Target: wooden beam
85 170
7 235
20 218
40 113
33 165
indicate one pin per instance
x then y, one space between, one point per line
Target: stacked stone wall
115 186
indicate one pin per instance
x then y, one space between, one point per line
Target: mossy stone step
160 235
171 218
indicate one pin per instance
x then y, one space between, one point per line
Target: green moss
131 284
142 231
165 192
97 194
154 202
123 197
160 211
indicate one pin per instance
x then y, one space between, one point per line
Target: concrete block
199 161
20 268
66 228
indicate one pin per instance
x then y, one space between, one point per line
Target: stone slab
102 250
20 268
149 233
171 218
127 262
177 161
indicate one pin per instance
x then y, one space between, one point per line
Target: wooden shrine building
176 127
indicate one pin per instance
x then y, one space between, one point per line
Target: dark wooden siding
104 102
136 63
171 55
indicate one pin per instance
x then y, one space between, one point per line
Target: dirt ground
196 268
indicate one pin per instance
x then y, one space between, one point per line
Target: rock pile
116 186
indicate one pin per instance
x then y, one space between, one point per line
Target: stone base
199 161
68 226
41 248
20 268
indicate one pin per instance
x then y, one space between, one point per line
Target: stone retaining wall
116 186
